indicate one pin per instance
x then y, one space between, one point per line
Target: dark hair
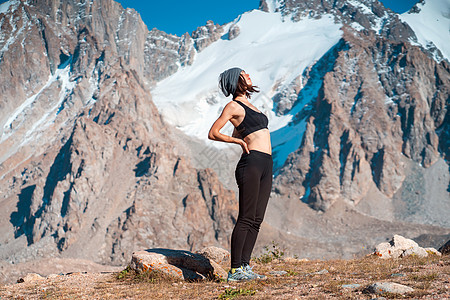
244 89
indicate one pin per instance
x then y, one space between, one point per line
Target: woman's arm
214 133
236 134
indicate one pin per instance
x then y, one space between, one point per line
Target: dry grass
428 276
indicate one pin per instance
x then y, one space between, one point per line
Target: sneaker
238 275
247 269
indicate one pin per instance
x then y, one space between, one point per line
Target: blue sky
180 16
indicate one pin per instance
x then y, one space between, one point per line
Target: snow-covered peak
430 20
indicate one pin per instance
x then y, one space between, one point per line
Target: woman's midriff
259 140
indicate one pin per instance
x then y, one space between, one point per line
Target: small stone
323 271
397 275
389 287
30 277
351 286
277 273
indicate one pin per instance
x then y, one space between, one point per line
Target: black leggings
254 179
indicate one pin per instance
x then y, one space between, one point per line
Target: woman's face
248 81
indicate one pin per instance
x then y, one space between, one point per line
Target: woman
254 170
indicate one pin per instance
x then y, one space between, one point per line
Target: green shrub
271 252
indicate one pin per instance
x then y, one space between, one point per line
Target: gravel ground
334 279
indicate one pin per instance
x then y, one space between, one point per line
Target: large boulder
178 264
401 247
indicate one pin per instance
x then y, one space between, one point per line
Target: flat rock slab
178 264
389 287
351 286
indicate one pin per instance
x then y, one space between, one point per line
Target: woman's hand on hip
244 146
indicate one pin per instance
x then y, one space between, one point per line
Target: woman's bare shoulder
233 107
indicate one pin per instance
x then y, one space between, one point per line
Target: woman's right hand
244 146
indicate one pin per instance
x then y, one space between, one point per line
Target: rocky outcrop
205 35
233 32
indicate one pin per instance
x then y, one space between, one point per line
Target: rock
389 287
219 255
178 264
403 243
204 36
277 273
321 272
401 247
445 249
397 275
351 286
30 277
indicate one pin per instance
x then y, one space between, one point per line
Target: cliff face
379 104
88 167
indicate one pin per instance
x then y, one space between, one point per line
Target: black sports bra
253 121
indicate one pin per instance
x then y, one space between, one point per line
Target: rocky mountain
103 128
378 111
88 167
358 114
